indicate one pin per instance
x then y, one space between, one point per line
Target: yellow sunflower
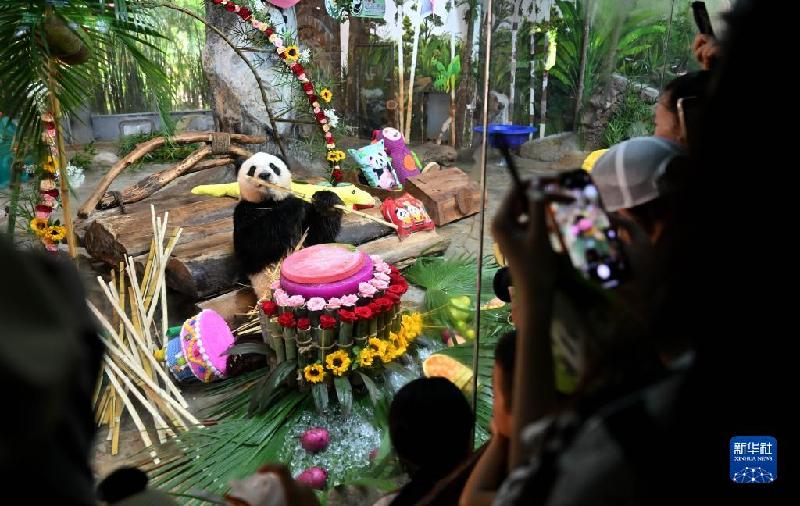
335 155
314 373
377 345
366 356
39 226
338 362
326 94
292 53
399 339
55 233
389 353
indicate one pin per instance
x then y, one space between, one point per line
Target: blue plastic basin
512 136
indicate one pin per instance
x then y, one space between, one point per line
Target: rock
104 159
440 153
195 123
550 148
235 95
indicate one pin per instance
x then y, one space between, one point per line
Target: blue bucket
512 136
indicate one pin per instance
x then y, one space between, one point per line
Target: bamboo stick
170 386
162 428
134 414
346 209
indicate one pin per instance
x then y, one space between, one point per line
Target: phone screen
586 232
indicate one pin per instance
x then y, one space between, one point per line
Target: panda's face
268 168
392 134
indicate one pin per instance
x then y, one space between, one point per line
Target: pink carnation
383 267
366 290
334 303
379 284
382 276
316 304
349 300
296 301
281 298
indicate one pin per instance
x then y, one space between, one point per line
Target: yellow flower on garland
326 94
366 356
49 165
314 373
292 53
56 233
336 155
39 226
338 362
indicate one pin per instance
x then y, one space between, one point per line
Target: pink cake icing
204 339
337 288
322 263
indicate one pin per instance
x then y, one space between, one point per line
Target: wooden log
156 181
401 253
146 147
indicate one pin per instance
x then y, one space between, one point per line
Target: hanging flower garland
291 56
51 234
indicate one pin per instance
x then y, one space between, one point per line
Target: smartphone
585 231
689 112
702 19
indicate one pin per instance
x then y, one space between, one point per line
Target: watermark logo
754 459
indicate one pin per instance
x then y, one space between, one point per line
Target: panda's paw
324 201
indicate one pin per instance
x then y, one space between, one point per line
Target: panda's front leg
323 219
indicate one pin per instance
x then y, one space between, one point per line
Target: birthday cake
329 301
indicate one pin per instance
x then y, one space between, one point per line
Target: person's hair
504 359
430 425
691 84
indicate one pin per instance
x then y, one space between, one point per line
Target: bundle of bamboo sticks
132 336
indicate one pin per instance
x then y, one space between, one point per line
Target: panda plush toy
268 223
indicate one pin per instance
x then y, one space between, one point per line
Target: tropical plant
609 44
39 39
632 118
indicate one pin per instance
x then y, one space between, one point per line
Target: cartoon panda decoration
268 224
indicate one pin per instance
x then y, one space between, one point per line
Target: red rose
282 54
269 31
394 297
41 208
269 307
308 87
393 269
245 13
337 175
375 308
364 312
303 324
298 69
328 136
230 7
347 316
320 116
217 2
396 290
52 193
327 322
287 320
384 303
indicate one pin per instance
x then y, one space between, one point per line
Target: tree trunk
532 97
582 70
466 86
412 74
515 21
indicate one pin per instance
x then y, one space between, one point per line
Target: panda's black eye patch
275 169
252 171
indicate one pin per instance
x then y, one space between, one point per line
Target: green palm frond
30 71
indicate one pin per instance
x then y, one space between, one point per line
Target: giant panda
268 224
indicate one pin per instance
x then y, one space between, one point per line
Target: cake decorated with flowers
334 307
